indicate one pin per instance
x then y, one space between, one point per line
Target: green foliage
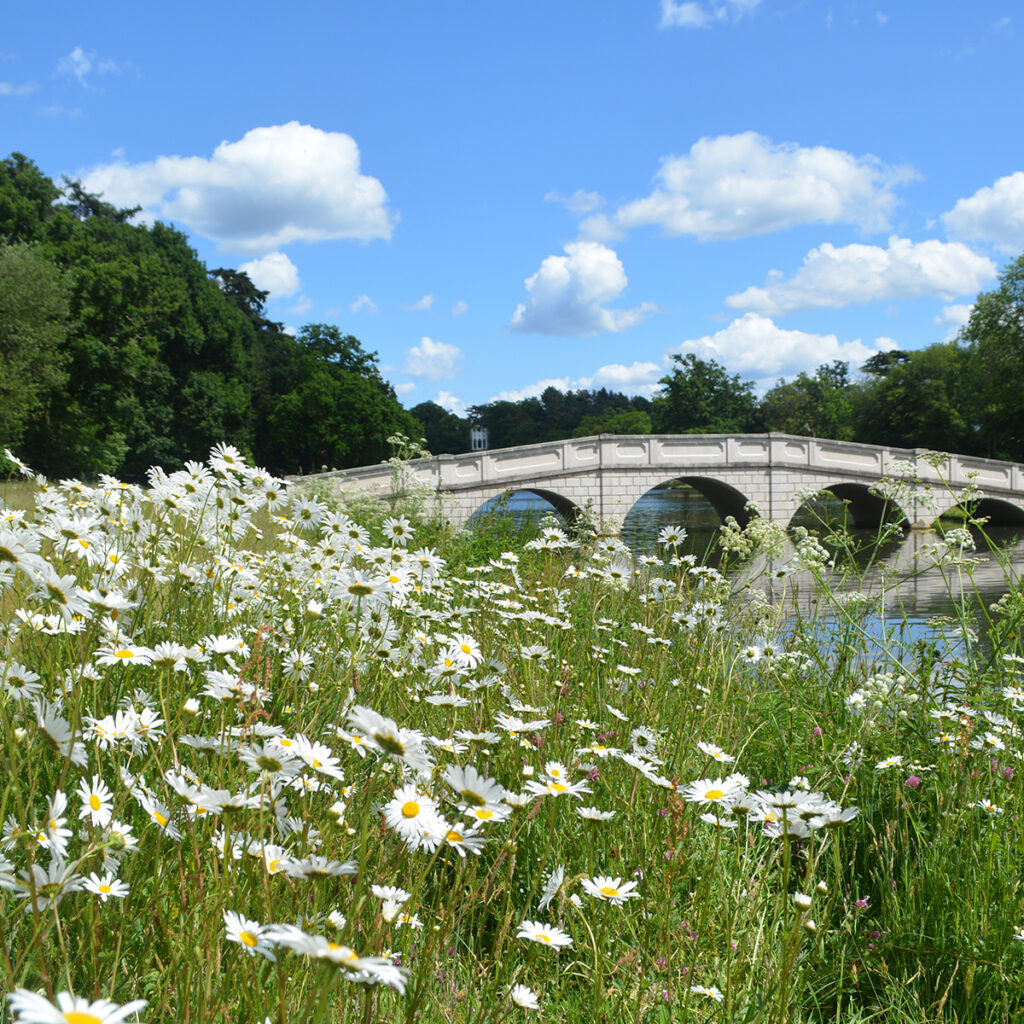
33 314
699 397
993 344
443 431
820 405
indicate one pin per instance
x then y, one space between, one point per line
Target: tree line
962 396
120 349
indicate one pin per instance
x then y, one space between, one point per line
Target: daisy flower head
708 992
714 751
545 934
413 815
32 1008
105 886
472 788
96 801
250 935
524 997
610 889
711 791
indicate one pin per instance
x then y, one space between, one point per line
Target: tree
993 343
442 430
916 400
699 397
614 421
820 405
338 410
33 328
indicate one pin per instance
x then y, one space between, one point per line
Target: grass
793 821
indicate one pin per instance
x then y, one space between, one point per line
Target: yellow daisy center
77 1017
544 938
714 794
609 890
558 787
124 653
160 819
248 938
104 888
410 809
484 815
454 837
94 802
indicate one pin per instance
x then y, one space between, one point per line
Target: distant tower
477 438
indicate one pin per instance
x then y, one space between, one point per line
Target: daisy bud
802 900
810 926
822 887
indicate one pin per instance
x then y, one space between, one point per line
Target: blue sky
497 196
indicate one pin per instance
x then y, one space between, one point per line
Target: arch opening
849 505
996 511
523 507
698 504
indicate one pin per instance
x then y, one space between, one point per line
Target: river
898 576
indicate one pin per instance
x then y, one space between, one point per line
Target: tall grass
791 821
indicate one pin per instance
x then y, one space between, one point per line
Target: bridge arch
564 506
998 511
864 505
725 499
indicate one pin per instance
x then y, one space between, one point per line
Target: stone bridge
740 474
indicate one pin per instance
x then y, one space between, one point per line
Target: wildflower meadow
270 757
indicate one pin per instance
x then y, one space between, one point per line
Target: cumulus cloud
302 306
756 348
994 213
954 317
363 304
832 277
279 184
734 186
696 14
404 387
459 308
420 305
448 401
273 273
639 378
433 360
568 293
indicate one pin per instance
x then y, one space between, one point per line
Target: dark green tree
915 400
700 397
33 329
820 405
993 343
338 410
442 430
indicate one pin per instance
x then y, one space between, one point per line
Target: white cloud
954 317
697 14
291 331
881 17
640 378
420 305
10 89
81 64
364 304
733 186
433 360
754 347
302 306
279 184
568 293
459 308
404 387
273 273
832 277
579 203
448 401
994 213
